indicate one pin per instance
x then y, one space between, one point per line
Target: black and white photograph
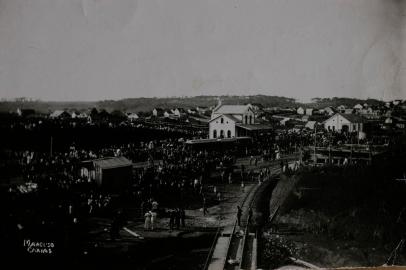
203 134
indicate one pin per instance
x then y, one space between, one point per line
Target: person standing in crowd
153 219
222 176
239 215
242 172
242 187
154 206
118 222
70 209
219 196
195 184
154 212
183 217
147 224
142 209
171 219
114 230
177 218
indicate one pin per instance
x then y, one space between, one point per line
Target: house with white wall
132 116
309 111
358 107
157 112
341 108
329 111
223 126
344 123
228 121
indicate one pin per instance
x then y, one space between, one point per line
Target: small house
300 111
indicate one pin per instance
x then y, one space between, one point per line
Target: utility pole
50 151
314 154
329 153
351 155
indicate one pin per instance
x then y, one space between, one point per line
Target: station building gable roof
231 117
353 118
232 109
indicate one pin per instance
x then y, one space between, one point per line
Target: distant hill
336 101
147 104
44 106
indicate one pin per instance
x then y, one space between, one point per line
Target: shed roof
58 113
112 162
231 109
254 126
218 140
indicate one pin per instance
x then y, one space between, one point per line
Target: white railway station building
230 121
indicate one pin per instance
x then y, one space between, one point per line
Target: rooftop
112 162
231 109
57 113
254 126
226 115
353 118
218 140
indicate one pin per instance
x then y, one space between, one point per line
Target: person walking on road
249 215
239 215
204 207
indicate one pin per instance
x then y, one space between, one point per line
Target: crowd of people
178 179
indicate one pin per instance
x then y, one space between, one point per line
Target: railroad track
240 241
247 254
240 251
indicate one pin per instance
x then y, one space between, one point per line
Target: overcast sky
112 49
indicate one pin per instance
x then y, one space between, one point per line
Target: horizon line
296 100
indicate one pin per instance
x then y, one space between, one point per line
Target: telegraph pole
314 152
50 150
